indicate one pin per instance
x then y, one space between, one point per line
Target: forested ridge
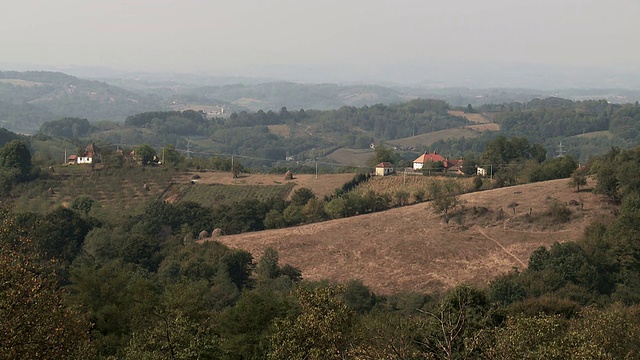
585 128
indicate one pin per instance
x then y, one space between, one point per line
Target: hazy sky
243 37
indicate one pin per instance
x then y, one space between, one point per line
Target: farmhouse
90 155
428 161
384 168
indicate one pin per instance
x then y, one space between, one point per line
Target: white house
384 168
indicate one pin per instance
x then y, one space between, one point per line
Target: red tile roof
426 157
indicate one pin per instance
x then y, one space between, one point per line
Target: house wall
85 160
383 171
417 166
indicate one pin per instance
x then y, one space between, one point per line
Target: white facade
85 159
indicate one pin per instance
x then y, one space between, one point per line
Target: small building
427 158
481 171
429 161
384 168
72 159
88 159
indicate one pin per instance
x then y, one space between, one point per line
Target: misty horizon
546 44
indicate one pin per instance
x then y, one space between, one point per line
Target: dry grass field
430 138
351 157
412 249
325 184
280 130
475 118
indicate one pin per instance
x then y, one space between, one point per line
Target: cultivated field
325 184
413 249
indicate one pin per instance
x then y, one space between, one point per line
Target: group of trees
15 164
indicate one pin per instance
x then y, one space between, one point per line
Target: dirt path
502 247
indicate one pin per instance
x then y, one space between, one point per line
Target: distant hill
27 99
412 249
275 95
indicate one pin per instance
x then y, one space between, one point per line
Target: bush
558 212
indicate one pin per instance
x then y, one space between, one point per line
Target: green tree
444 196
171 155
83 204
268 267
15 157
35 323
578 178
383 154
320 330
301 196
145 153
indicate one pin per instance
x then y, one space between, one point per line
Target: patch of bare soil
413 249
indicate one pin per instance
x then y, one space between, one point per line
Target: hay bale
188 238
203 234
217 232
288 175
195 177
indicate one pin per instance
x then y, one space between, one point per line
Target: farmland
325 184
209 195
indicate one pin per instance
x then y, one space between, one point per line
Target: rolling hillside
412 249
27 99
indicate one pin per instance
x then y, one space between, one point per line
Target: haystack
288 175
217 232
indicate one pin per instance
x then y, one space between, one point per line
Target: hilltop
412 249
28 99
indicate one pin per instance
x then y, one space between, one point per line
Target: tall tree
16 157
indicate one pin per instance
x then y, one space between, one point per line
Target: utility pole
65 157
316 159
560 150
188 149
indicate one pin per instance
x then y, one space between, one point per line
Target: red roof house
427 160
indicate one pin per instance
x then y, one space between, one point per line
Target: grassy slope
411 248
430 138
